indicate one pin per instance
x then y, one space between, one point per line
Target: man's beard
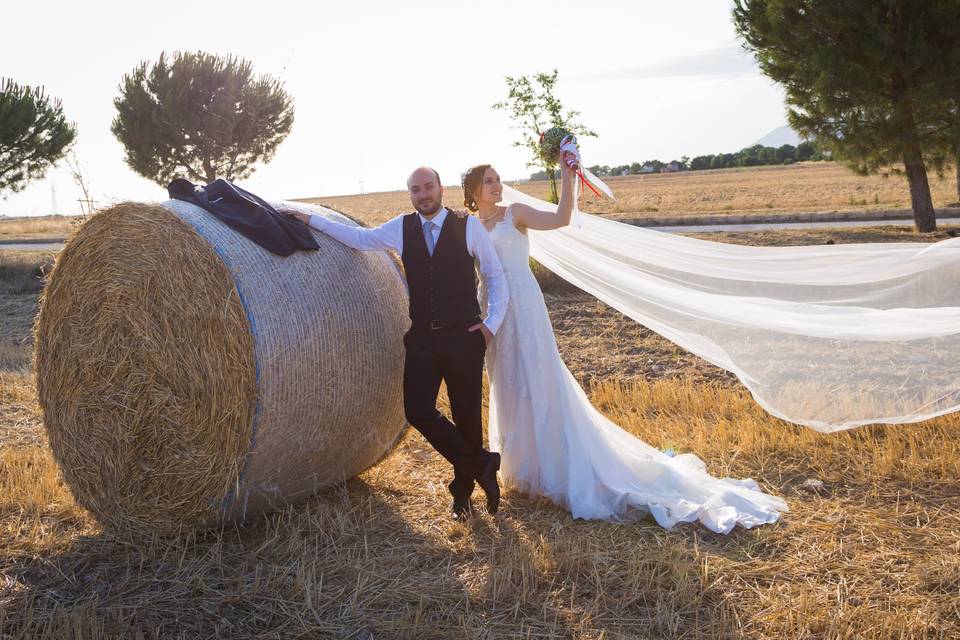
424 211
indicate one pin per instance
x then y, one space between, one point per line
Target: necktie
428 235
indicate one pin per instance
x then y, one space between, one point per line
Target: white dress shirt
389 236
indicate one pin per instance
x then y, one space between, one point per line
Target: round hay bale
189 377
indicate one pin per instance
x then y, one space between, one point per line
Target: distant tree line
754 156
759 155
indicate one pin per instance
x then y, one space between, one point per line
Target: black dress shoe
488 482
462 507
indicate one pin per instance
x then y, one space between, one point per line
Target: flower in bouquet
550 141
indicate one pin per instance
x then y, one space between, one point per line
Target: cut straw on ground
869 549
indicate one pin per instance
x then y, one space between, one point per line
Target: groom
447 339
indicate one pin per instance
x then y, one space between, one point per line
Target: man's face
426 194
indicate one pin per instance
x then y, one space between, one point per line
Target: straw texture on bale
189 377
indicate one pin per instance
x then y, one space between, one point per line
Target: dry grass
804 187
23 271
871 553
15 357
20 419
21 276
51 228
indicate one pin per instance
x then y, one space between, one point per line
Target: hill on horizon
780 136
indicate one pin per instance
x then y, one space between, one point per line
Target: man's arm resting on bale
388 236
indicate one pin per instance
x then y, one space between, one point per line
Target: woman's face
490 190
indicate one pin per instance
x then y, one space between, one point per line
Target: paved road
27 246
792 225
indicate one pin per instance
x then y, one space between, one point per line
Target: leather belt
434 325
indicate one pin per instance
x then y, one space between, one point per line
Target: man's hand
299 215
487 335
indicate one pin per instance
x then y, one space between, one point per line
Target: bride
553 442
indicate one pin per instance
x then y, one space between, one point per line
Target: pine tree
34 134
862 77
200 116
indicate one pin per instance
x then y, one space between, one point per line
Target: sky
381 87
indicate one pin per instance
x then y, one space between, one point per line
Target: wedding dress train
554 443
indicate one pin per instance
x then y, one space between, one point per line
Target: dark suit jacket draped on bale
247 214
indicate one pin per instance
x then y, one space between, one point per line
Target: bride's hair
470 182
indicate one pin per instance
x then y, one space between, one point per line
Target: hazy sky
383 86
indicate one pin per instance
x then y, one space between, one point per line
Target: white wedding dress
554 443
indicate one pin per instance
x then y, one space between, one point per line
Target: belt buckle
435 325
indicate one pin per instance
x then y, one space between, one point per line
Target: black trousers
455 356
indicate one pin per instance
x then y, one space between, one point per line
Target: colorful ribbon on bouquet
570 154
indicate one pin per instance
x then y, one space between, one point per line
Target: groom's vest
443 287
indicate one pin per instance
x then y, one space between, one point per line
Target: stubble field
799 188
869 549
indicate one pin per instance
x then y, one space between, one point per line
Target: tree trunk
554 194
211 173
957 159
924 217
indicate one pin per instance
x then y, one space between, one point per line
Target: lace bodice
513 246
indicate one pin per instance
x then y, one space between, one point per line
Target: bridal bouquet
558 142
550 142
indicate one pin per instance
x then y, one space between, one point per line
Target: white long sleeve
481 248
388 236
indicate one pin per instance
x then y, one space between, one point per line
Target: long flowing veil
831 336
